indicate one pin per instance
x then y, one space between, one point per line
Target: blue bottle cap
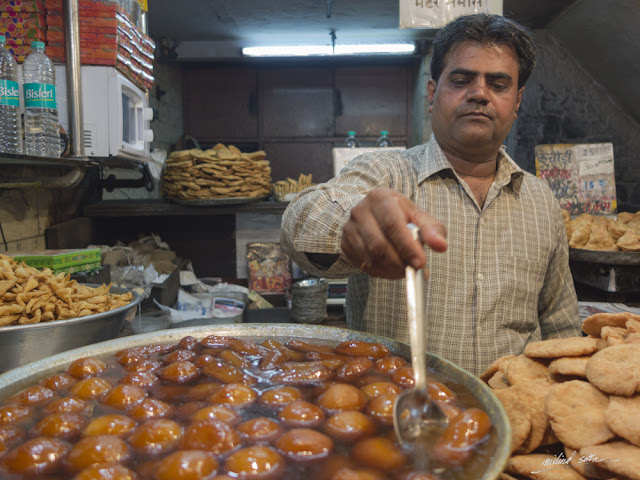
384 133
3 40
351 133
37 44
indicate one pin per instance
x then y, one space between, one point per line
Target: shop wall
25 215
562 103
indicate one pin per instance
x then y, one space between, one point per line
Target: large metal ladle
417 419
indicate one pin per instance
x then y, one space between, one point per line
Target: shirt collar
434 161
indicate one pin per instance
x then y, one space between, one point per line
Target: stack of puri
574 404
219 172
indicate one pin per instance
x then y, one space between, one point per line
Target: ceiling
209 29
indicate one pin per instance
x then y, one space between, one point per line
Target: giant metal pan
17 379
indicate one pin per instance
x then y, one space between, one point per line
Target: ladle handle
417 331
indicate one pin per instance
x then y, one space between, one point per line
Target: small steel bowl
22 344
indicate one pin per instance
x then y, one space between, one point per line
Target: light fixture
328 50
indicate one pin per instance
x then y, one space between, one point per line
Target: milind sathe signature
560 461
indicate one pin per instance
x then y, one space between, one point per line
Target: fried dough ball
90 388
151 408
144 380
216 412
348 473
304 445
106 472
353 369
187 465
440 393
221 371
179 356
155 437
123 397
259 429
86 367
350 425
301 413
234 395
341 396
184 412
34 395
202 390
379 453
96 450
388 365
66 405
14 414
39 455
10 435
179 372
356 348
211 435
59 382
66 426
376 389
403 377
381 408
144 365
255 462
113 424
278 397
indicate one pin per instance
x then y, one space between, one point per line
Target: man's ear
431 91
518 100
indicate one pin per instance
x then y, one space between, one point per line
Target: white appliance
116 112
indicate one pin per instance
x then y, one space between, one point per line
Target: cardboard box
66 260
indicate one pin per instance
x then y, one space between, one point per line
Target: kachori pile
597 232
219 172
574 403
29 295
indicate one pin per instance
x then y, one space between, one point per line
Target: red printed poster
580 175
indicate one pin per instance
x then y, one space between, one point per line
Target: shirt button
480 276
482 221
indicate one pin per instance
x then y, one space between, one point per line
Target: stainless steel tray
607 258
21 344
214 202
469 385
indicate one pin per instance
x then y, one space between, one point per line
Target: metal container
468 385
22 344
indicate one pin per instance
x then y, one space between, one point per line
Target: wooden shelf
144 208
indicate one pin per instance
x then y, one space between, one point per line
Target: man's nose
478 91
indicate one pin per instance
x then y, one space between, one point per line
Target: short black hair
487 30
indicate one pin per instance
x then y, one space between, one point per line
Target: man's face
476 99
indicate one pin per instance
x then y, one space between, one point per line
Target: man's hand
376 237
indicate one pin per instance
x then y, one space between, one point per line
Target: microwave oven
116 112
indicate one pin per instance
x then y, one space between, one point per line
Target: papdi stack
219 172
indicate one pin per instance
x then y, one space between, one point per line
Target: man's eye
499 87
459 82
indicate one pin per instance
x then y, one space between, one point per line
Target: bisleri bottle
41 129
10 120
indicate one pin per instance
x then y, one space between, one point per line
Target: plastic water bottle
351 141
10 121
41 130
384 140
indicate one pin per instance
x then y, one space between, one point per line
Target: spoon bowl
417 419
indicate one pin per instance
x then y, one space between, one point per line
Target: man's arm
558 311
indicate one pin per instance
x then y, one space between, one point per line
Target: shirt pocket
521 280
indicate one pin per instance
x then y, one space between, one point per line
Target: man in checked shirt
496 247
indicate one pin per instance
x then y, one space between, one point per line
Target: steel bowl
469 388
22 344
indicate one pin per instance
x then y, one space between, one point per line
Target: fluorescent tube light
310 50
